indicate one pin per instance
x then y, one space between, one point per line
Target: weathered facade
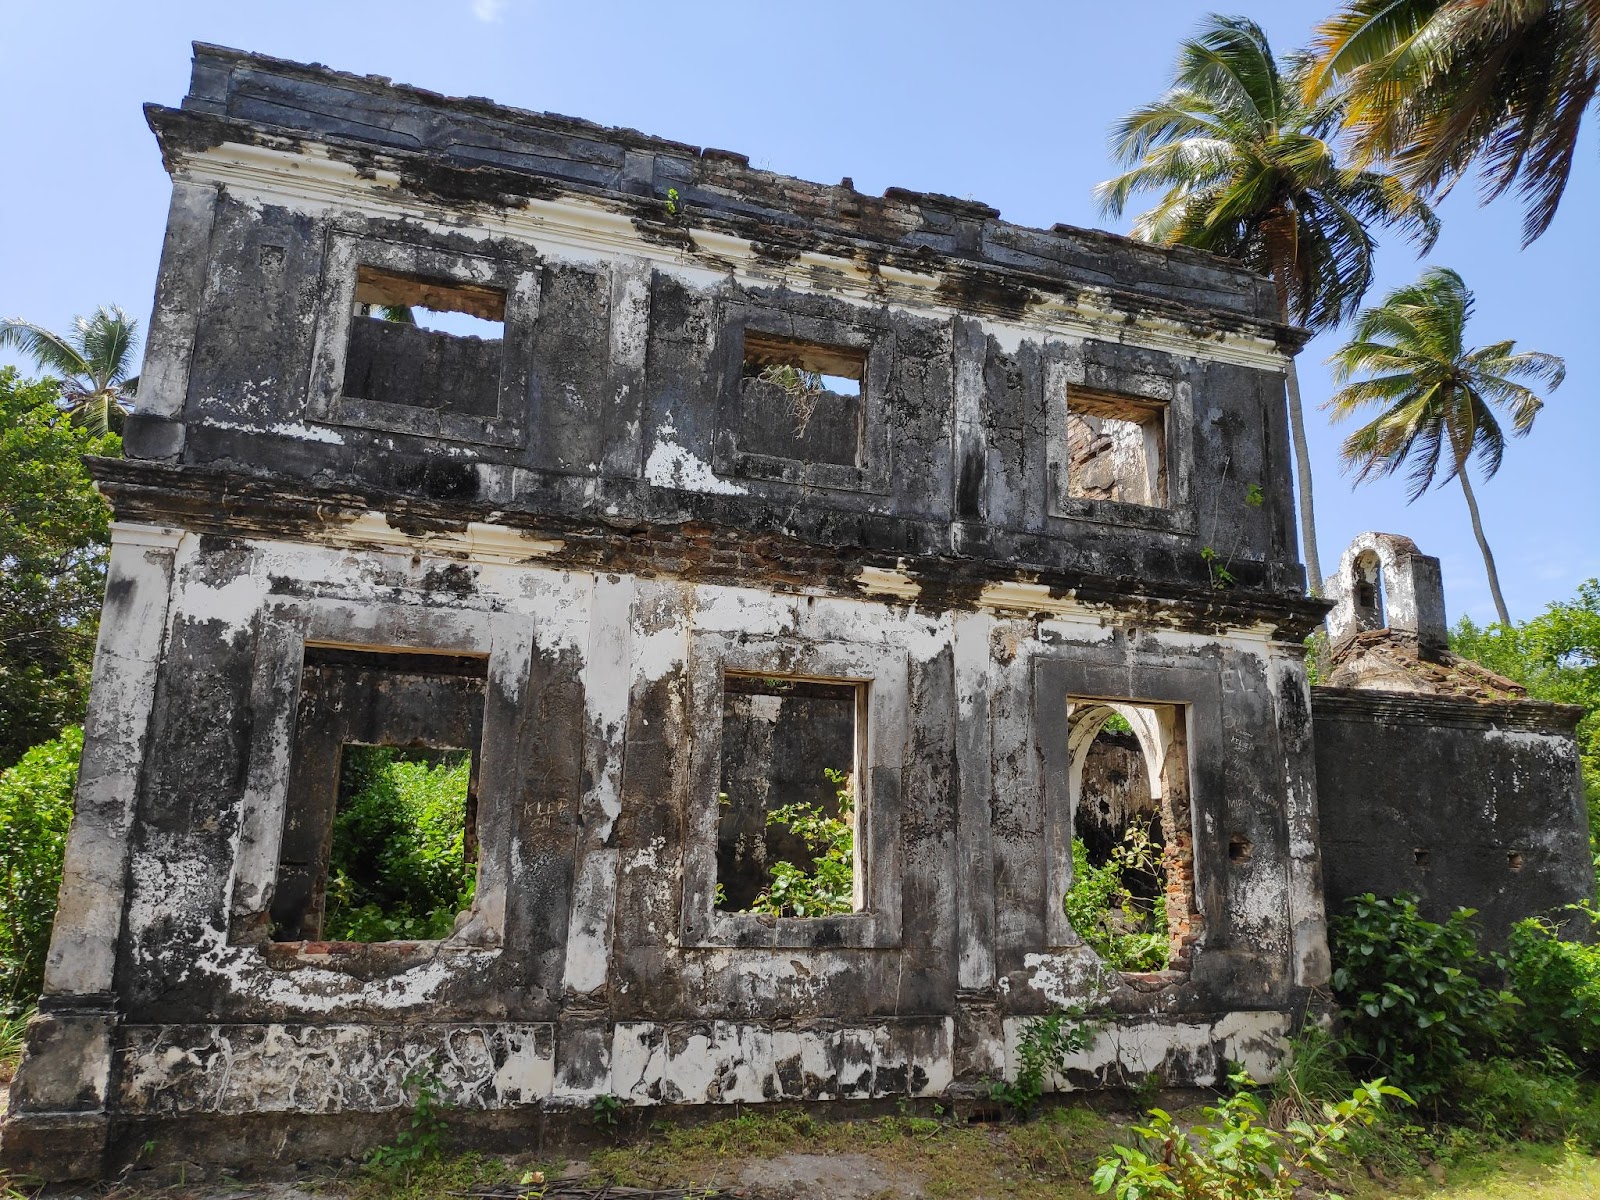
1044 480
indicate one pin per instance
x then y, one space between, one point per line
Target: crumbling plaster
608 546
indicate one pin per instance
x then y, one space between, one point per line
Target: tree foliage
398 869
1440 87
53 533
35 811
828 887
1438 398
92 365
1246 168
1130 933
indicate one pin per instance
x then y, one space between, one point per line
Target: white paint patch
290 429
671 465
1071 978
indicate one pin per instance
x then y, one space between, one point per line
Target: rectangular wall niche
787 819
1116 449
802 401
425 343
380 828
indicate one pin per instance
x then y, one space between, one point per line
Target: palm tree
1438 396
1247 172
94 362
1435 86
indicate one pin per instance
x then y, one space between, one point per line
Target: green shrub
1414 1002
1042 1052
1529 1100
829 886
1558 985
397 871
1233 1152
1130 934
35 811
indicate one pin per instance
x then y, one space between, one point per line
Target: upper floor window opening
1116 449
425 343
802 400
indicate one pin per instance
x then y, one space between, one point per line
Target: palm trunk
1282 237
1483 544
1302 472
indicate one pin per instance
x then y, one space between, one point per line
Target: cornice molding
208 501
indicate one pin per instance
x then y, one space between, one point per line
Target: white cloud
489 10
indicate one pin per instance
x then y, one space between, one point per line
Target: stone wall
1463 803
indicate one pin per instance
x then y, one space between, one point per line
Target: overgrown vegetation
1557 983
423 1138
1415 997
54 528
925 1151
1128 931
1422 1003
1234 1151
828 886
1042 1053
35 811
398 870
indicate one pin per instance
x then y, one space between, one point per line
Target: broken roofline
496 153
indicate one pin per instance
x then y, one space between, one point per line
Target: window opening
802 400
427 343
1116 449
399 863
1132 895
1369 597
788 800
380 832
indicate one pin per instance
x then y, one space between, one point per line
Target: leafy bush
1414 1002
35 811
1558 985
1042 1052
1234 1152
54 528
1532 1100
422 1140
829 886
398 871
1130 934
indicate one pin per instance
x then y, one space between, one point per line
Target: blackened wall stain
598 534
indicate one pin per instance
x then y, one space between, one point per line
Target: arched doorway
1132 897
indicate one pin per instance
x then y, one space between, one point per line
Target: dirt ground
792 1155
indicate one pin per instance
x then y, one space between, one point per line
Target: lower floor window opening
788 799
399 864
1132 893
380 839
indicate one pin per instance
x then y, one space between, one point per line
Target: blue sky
1008 103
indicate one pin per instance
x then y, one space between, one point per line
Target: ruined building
657 497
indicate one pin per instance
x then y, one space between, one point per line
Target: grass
1049 1158
12 1030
